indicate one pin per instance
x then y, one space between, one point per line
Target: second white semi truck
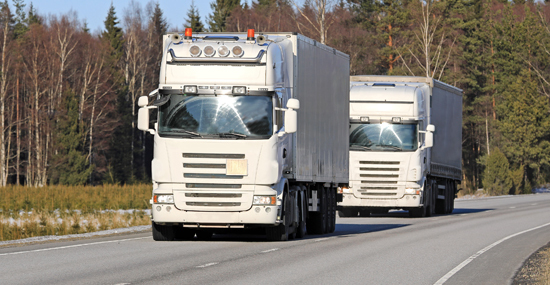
251 133
405 146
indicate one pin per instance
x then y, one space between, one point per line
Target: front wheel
163 233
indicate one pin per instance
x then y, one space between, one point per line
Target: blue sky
95 11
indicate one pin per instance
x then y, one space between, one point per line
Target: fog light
159 208
257 209
168 208
267 210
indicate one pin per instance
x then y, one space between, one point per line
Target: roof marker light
250 35
188 33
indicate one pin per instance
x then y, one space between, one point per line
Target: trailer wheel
332 210
182 233
163 233
316 223
301 230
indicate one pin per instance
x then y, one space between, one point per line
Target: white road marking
270 250
71 246
512 207
477 254
322 239
464 214
207 265
534 204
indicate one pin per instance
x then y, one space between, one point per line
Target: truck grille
378 179
208 186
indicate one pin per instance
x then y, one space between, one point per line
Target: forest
68 96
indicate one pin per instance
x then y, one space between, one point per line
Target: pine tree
194 19
394 17
497 179
71 165
120 154
221 10
20 27
33 17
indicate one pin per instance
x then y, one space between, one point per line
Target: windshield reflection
222 116
383 137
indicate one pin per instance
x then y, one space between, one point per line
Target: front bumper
407 201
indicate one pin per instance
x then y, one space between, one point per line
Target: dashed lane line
270 250
207 265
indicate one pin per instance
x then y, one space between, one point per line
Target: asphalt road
483 241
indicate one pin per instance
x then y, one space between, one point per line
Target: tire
317 221
182 233
418 212
331 209
301 230
163 233
280 231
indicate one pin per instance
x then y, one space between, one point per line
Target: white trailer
251 132
405 146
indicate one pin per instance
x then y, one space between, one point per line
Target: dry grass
60 210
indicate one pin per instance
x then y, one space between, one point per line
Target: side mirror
293 104
429 136
143 118
143 101
428 139
291 121
430 128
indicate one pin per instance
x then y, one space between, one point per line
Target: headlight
412 191
209 51
343 190
237 51
264 200
164 199
195 51
239 90
223 51
190 89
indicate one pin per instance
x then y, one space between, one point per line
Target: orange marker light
250 35
188 33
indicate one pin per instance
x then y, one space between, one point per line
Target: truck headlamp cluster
163 199
239 90
209 51
264 200
237 51
223 51
195 51
413 191
190 89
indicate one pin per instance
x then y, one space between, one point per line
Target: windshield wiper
187 132
231 135
391 146
359 147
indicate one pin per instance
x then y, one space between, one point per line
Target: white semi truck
251 133
405 146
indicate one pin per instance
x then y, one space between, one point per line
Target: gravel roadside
536 269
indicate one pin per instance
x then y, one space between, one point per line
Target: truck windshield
233 117
383 137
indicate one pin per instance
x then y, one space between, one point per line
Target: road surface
484 241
